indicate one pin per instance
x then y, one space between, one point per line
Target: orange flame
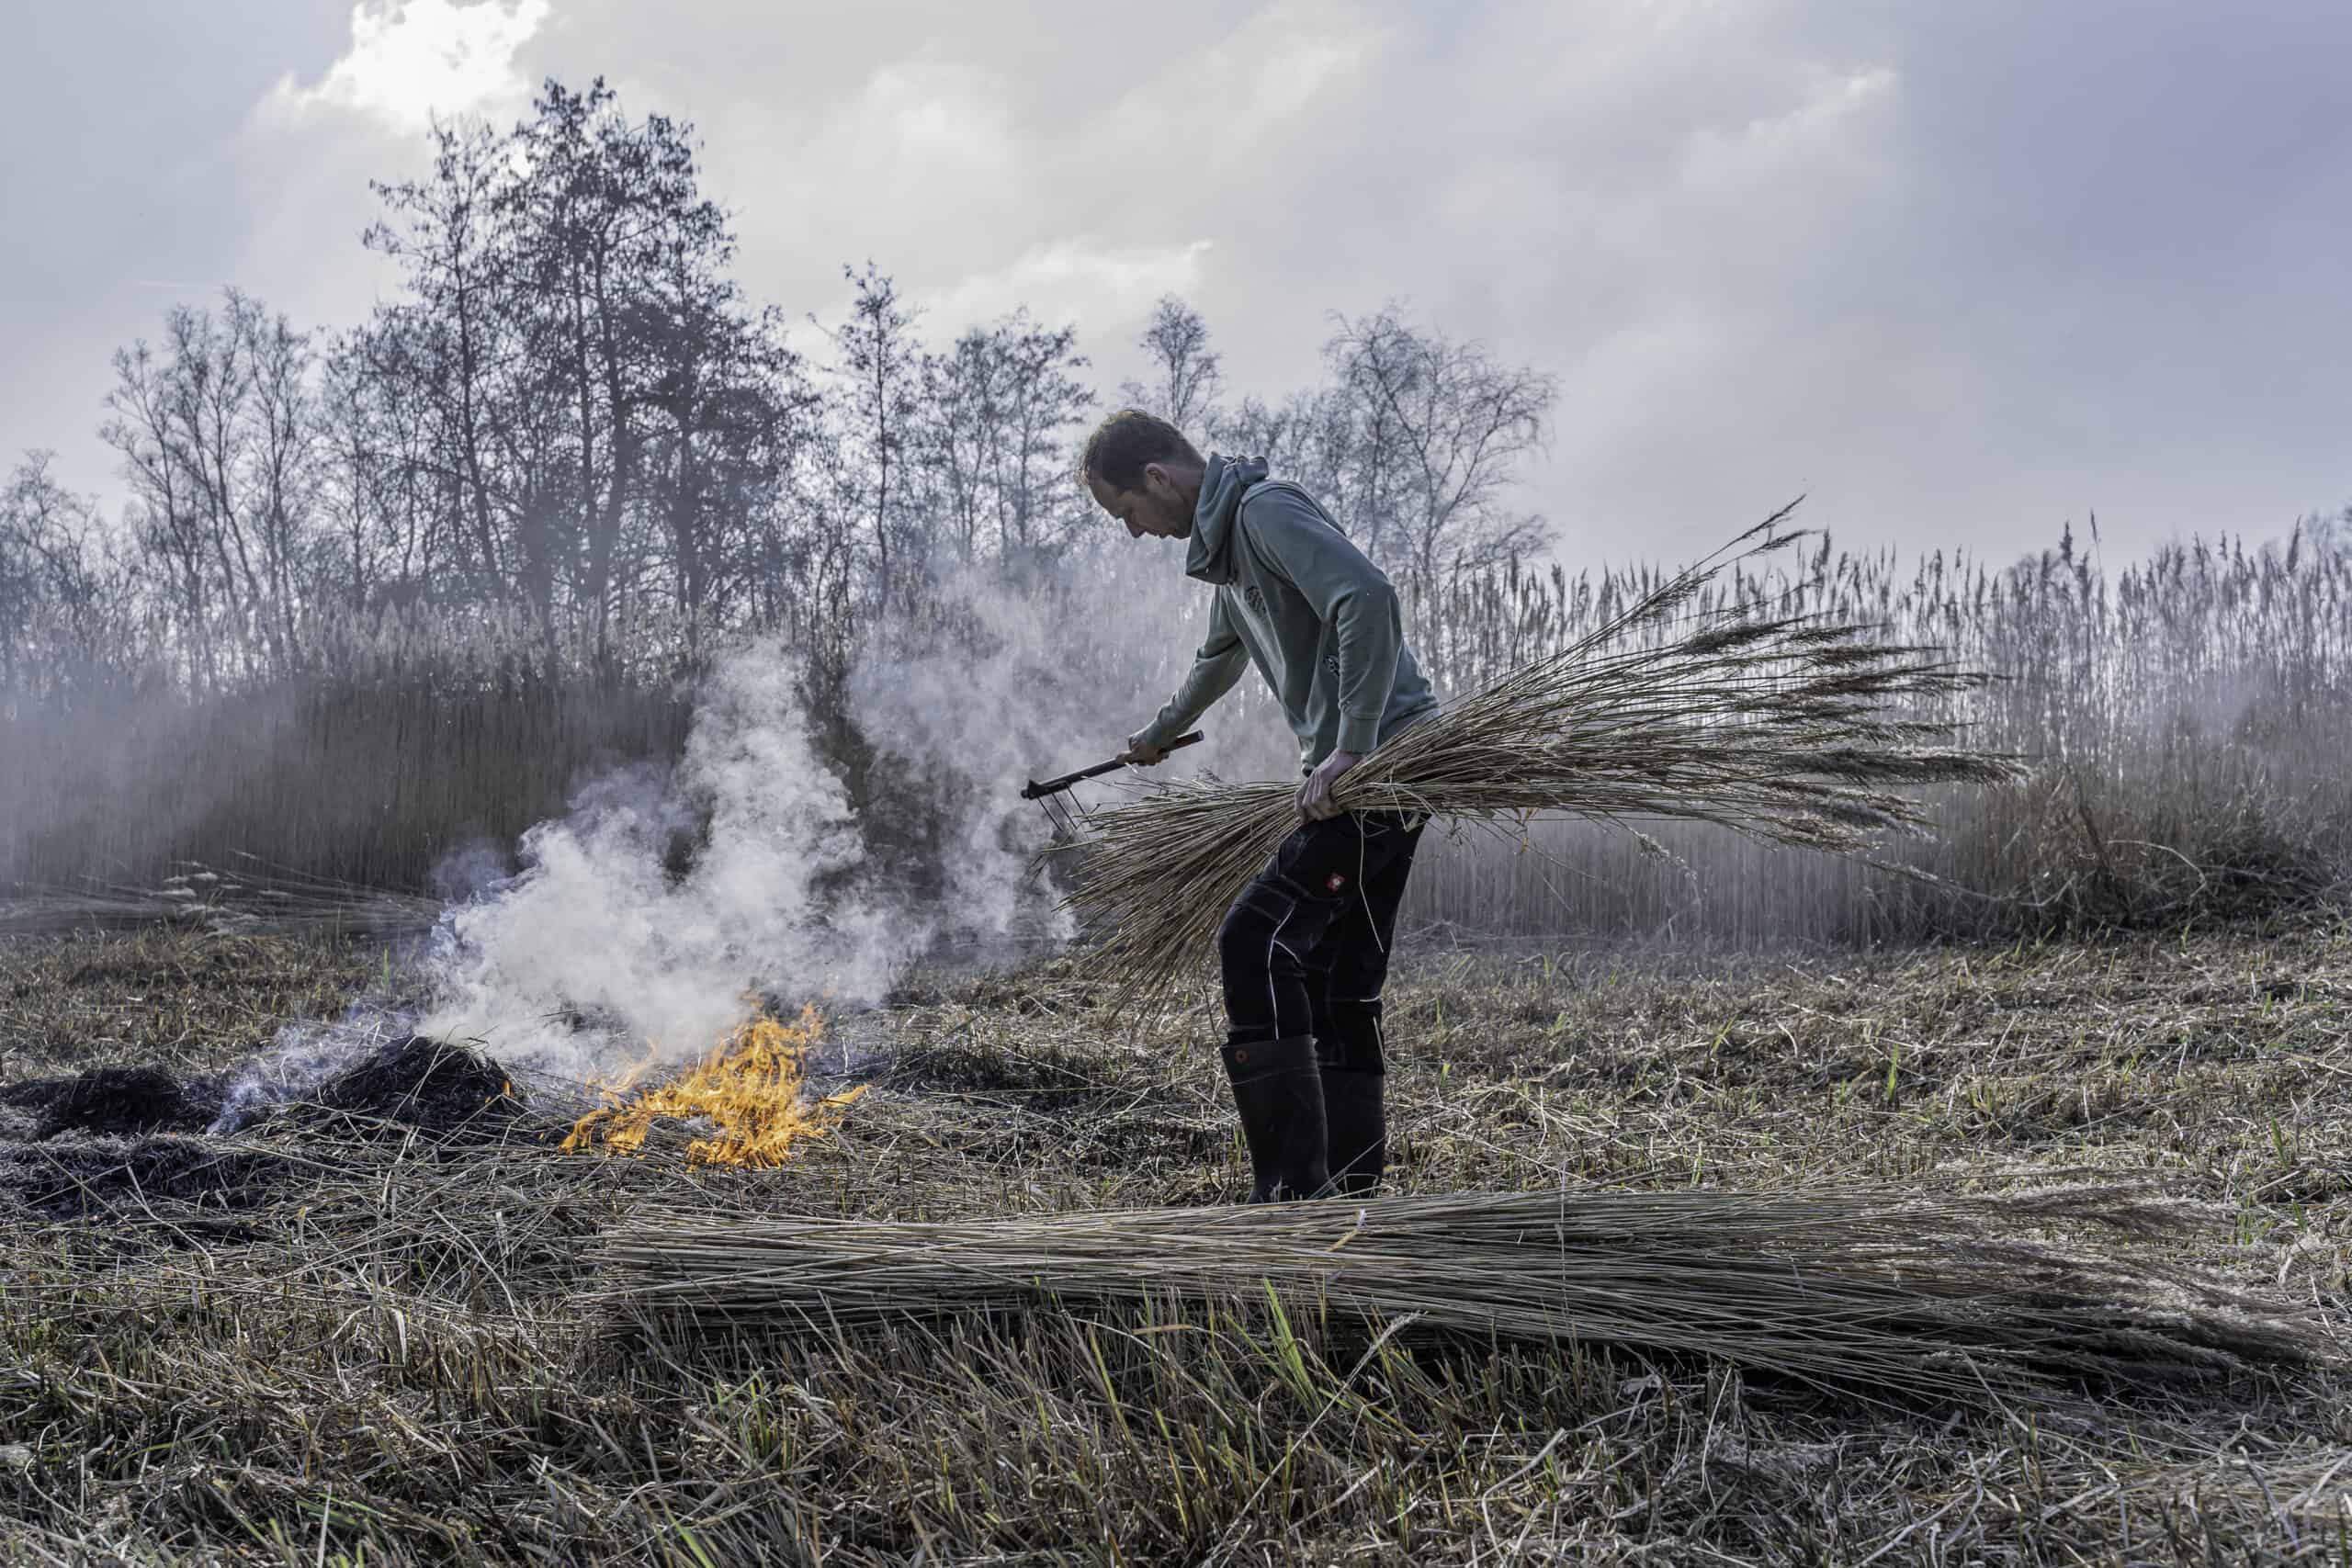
747 1091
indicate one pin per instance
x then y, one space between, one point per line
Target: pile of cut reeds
1875 1292
1791 728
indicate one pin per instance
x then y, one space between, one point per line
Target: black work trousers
1304 948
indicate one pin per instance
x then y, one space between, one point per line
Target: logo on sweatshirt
1338 881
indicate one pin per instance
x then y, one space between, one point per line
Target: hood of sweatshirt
1210 557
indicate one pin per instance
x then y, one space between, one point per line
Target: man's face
1155 510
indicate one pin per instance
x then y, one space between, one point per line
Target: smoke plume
666 904
599 930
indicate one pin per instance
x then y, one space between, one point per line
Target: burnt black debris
138 1142
116 1101
75 1179
429 1084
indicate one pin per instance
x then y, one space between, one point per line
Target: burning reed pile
1790 729
743 1104
73 1147
1871 1292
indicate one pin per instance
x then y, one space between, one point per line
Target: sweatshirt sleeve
1352 596
1215 670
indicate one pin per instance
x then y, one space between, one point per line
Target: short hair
1115 453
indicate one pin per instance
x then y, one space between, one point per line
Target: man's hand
1140 755
1315 794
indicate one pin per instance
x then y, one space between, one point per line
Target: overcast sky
1961 269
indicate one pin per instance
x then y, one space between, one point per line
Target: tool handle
1176 745
1052 786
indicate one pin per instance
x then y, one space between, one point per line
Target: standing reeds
2187 713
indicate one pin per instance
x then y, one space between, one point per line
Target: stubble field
349 1331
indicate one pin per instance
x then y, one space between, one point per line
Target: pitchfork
1054 797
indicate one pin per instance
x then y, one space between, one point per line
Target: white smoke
974 718
596 929
602 948
1034 684
305 1054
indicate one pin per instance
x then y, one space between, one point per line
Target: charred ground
372 1316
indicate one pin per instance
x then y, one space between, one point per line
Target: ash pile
114 1139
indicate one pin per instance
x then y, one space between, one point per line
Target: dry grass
389 1347
189 1000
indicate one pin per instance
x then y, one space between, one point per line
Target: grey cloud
1961 271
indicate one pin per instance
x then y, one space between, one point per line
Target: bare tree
168 526
607 427
285 478
1186 372
1310 438
55 578
393 511
880 368
1036 490
736 413
607 211
217 440
454 341
1439 428
572 426
964 398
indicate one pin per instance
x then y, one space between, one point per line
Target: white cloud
1829 122
1230 112
948 119
1104 290
411 60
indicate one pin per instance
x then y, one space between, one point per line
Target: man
1304 948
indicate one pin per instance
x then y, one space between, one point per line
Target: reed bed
1794 729
1871 1292
2186 712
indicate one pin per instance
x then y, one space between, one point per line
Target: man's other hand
1315 794
1140 755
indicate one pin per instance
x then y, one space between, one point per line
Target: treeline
572 444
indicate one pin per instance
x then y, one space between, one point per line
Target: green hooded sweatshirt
1296 598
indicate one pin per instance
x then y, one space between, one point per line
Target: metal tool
1054 793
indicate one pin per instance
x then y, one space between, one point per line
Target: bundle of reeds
1788 727
1933 1300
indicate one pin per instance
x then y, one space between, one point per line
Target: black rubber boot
1277 1089
1357 1144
